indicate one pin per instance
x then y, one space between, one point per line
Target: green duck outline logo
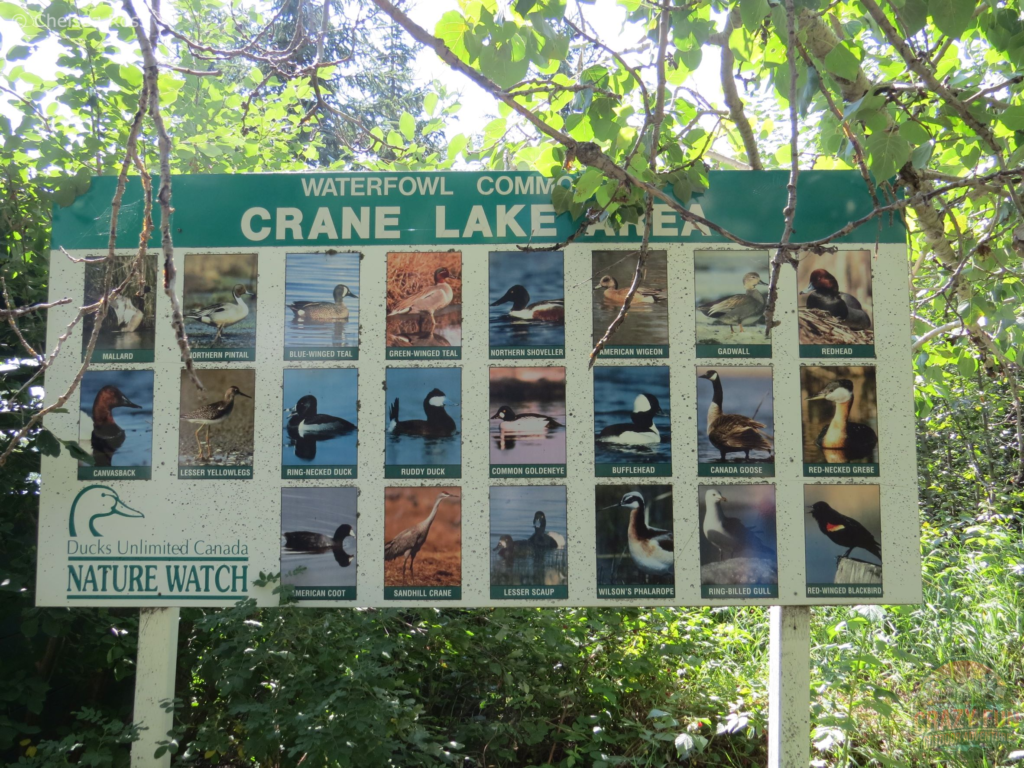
117 507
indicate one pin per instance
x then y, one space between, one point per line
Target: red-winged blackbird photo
843 533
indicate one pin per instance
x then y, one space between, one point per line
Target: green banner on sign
115 473
327 472
408 472
422 593
536 592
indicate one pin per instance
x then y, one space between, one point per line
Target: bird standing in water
436 297
107 435
409 542
214 413
224 314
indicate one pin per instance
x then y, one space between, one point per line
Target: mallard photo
129 324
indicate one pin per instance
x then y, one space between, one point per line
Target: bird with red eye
823 293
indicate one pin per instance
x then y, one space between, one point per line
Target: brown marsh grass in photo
432 320
836 304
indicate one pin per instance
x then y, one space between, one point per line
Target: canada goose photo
319 540
422 529
725 434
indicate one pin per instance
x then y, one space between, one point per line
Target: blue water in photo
411 386
313 277
137 423
615 389
543 276
336 395
740 395
318 510
513 508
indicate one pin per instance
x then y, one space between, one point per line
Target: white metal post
154 683
789 683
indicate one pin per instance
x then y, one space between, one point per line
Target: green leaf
1013 117
77 452
18 52
921 156
587 184
561 198
915 133
914 14
842 62
451 28
48 444
752 12
497 64
430 103
888 152
952 17
967 365
407 126
682 189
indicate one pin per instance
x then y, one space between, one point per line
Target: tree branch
732 96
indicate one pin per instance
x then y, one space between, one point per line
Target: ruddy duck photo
423 423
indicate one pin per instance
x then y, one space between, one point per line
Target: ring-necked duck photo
320 417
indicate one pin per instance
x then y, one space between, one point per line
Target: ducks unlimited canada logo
97 501
964 707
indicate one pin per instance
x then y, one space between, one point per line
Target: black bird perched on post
843 530
409 541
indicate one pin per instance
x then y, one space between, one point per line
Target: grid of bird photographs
527 432
127 332
318 542
735 422
215 432
321 292
632 421
730 289
840 420
738 546
527 305
320 419
423 423
836 311
424 306
219 306
115 425
644 332
528 542
842 540
635 550
423 543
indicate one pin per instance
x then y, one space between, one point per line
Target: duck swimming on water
306 422
107 435
738 309
323 311
731 432
318 543
551 310
613 293
854 439
524 423
642 429
437 424
823 293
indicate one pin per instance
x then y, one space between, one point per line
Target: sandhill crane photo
422 537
